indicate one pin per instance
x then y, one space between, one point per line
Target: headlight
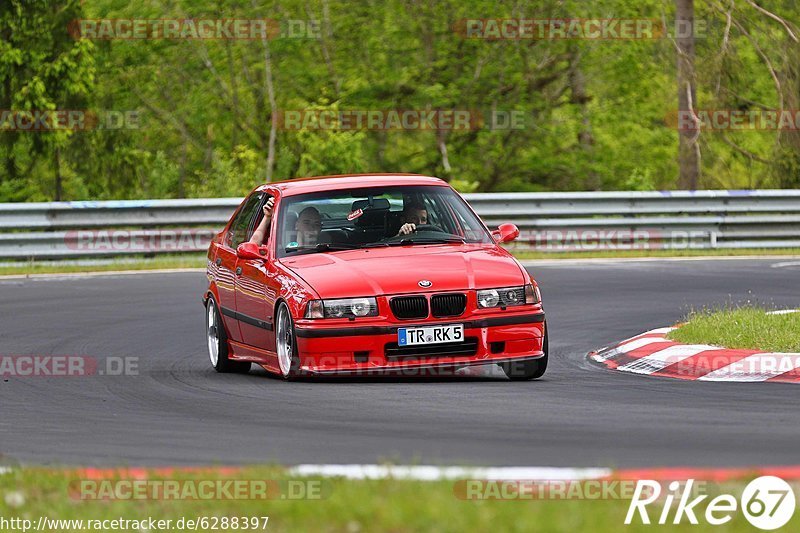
488 298
342 308
507 297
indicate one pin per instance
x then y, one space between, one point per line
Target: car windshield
376 217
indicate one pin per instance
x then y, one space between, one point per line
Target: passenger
261 233
413 214
308 226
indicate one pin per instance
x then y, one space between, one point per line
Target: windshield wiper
429 240
334 246
321 247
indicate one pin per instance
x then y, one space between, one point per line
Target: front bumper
366 348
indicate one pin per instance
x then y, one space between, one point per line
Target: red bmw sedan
363 274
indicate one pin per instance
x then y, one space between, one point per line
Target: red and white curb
652 354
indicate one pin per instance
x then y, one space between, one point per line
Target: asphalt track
179 411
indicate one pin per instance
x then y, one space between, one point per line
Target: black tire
223 364
528 369
285 332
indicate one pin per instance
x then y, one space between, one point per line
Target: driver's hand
268 208
405 229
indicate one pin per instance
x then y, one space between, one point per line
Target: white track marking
785 264
661 331
626 347
4 470
435 473
756 367
663 358
784 312
657 331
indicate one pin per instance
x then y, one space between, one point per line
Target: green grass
177 261
138 263
352 506
745 327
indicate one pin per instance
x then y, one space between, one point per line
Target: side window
242 226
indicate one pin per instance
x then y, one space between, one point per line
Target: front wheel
286 344
530 369
218 343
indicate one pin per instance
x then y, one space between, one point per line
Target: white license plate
430 335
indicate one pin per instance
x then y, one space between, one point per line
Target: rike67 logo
767 502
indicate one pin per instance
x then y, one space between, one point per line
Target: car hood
399 270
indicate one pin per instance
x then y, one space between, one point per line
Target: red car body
247 291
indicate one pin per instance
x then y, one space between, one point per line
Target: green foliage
231 174
595 112
41 68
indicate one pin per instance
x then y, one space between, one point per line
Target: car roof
349 181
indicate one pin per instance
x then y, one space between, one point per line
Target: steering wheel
428 227
418 228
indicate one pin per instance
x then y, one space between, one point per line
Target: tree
688 146
42 68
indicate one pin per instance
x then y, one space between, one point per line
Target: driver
413 214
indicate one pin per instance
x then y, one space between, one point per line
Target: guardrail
547 221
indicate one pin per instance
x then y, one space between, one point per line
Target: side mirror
250 250
505 233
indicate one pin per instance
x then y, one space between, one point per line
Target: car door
255 300
238 232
